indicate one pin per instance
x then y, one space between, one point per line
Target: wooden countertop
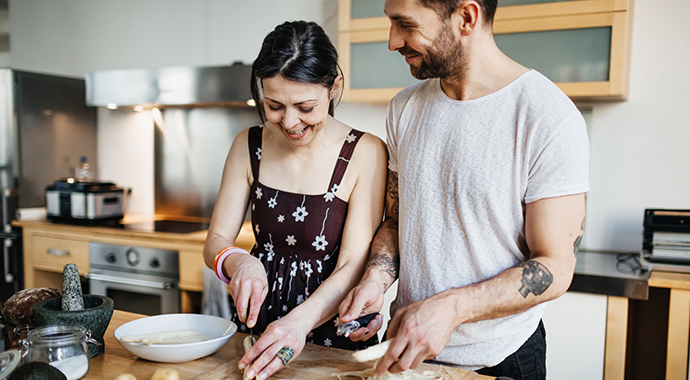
245 239
315 362
105 231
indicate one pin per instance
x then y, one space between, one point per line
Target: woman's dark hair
299 51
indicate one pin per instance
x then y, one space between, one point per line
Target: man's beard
444 59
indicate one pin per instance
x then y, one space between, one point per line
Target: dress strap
344 158
254 140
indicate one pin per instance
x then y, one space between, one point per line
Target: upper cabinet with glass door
581 45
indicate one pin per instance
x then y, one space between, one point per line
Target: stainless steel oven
138 279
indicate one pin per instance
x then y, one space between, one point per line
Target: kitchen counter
49 246
315 362
611 274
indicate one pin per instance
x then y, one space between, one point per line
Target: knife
349 327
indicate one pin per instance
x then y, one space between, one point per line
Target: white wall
75 36
640 148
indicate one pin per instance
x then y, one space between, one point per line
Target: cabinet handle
129 281
58 252
9 278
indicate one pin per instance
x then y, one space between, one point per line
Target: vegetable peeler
349 327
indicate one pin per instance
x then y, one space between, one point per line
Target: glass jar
22 334
63 347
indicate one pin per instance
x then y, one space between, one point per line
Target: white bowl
218 329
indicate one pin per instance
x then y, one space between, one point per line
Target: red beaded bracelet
220 258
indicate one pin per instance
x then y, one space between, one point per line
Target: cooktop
174 226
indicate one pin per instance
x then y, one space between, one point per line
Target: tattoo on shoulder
536 278
385 263
393 193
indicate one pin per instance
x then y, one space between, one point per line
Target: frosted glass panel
506 3
367 8
573 55
372 65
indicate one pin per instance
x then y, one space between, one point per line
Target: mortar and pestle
76 309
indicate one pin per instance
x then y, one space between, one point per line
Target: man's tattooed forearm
536 278
393 193
385 263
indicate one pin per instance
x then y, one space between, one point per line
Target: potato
126 376
165 374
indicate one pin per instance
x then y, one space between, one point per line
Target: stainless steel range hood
218 86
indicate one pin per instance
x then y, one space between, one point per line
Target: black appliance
666 236
45 128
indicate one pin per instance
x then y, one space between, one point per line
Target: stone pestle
75 309
72 297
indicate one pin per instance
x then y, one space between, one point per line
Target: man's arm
553 228
381 269
385 255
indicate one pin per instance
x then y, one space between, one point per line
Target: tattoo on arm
536 278
386 264
576 244
393 193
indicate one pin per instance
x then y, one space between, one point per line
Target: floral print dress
298 240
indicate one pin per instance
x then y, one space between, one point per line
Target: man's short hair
445 8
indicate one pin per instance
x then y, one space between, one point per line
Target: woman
316 190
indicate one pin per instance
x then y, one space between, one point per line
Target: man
485 202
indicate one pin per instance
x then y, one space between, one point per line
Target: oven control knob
154 263
110 257
132 257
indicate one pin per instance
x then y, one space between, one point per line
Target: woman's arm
248 281
233 196
364 215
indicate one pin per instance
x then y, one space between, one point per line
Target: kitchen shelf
566 31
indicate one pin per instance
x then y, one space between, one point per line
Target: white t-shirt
466 169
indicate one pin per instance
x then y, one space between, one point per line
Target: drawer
191 276
49 253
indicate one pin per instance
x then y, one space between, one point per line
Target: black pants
527 363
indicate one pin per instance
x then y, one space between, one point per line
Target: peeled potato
165 374
126 376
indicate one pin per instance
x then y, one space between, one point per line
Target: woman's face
298 110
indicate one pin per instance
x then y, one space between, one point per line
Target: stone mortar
95 317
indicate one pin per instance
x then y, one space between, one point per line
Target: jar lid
9 360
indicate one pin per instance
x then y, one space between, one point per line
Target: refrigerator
45 129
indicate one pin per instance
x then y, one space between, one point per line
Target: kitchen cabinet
581 45
48 247
576 336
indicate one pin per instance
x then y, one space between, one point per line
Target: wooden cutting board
318 363
315 362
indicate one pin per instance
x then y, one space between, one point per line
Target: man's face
428 43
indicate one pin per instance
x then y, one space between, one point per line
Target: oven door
137 293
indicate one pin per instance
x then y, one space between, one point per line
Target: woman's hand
289 331
248 285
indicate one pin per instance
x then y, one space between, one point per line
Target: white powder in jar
73 368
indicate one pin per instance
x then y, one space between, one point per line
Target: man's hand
421 331
365 298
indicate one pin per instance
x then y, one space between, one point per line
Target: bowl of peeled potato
175 338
